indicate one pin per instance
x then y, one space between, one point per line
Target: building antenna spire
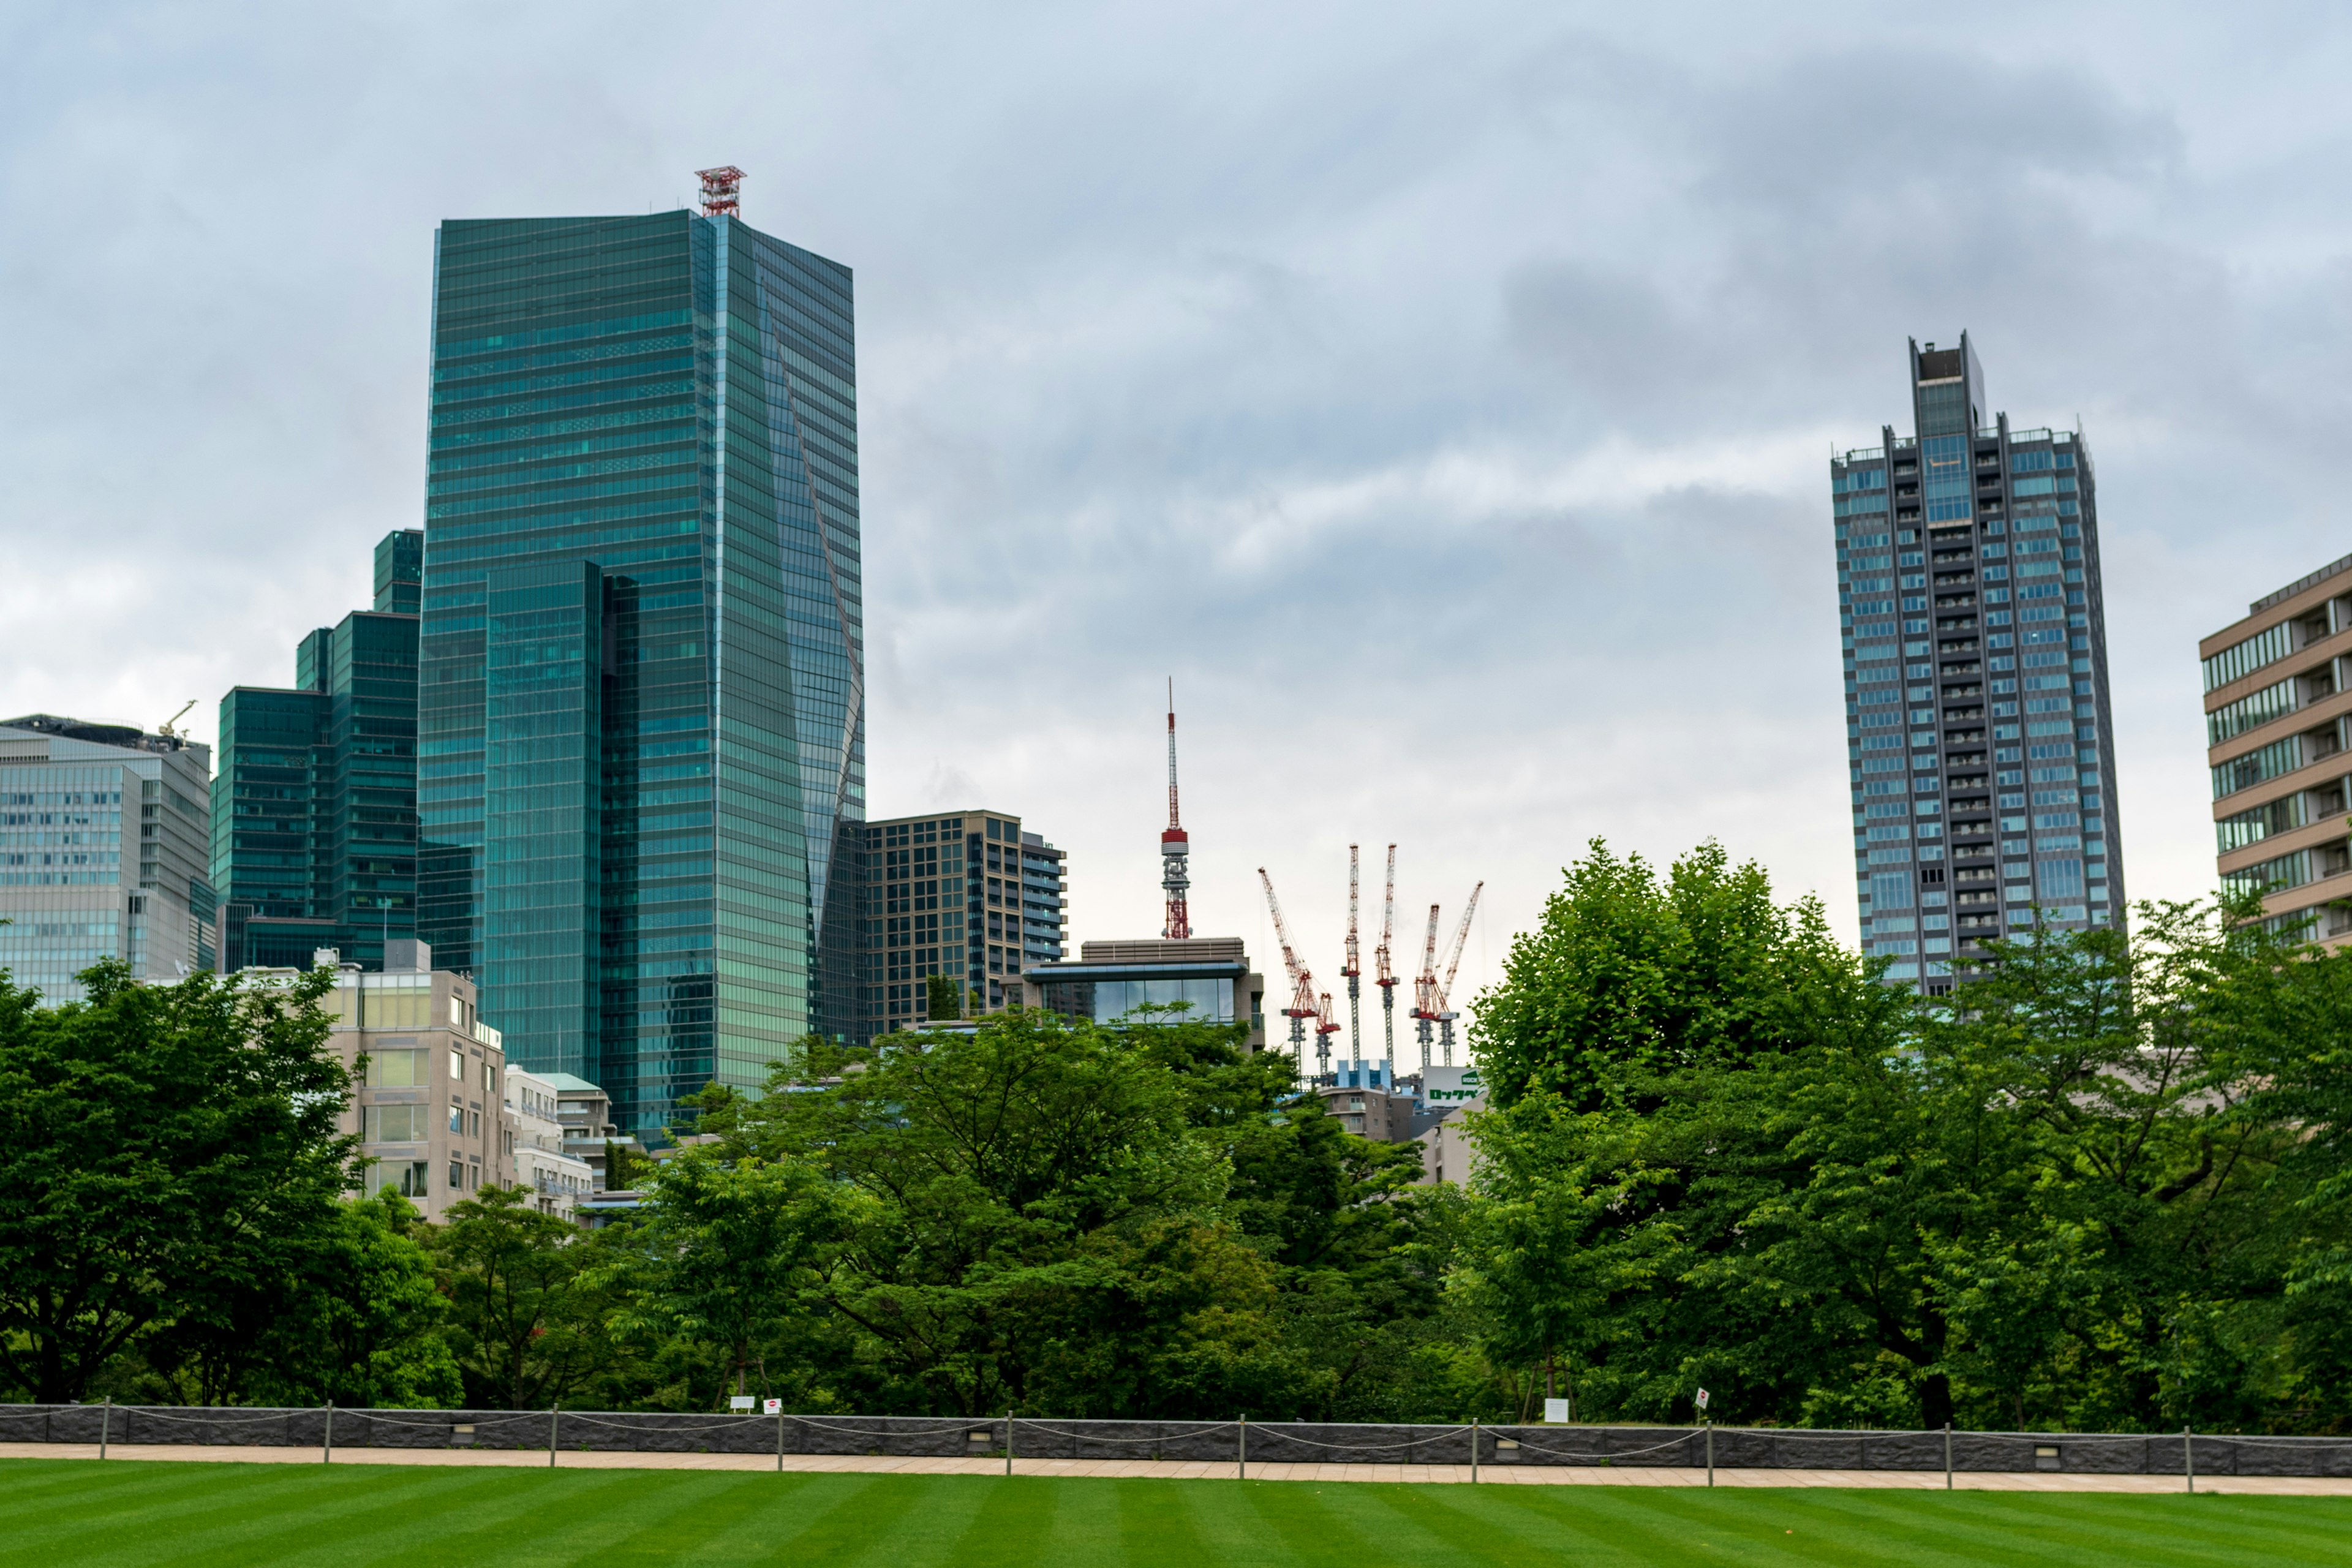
722 191
1175 847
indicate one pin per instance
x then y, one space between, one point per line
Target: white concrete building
533 1116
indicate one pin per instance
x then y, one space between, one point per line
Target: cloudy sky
1441 395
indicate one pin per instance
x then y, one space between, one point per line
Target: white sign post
1555 1410
741 1402
773 1408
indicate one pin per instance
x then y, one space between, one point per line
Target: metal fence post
1473 1450
780 1442
105 1425
1710 1452
2189 1457
1948 1456
327 1447
554 1416
1240 1464
1008 1442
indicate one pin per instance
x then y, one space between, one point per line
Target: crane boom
1453 957
1303 1003
1352 970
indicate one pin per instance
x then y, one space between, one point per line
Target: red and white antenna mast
1175 849
722 191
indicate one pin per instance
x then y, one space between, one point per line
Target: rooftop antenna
165 729
1175 846
722 191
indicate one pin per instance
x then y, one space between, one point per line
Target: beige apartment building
429 1110
2278 705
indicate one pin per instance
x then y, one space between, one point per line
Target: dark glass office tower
314 807
642 745
1979 731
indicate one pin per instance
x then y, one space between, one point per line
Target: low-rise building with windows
559 1181
429 1106
1210 976
2278 732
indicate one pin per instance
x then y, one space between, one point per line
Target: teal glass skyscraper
642 729
314 808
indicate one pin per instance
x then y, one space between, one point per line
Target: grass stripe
194 1515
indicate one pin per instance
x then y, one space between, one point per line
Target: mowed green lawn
68 1514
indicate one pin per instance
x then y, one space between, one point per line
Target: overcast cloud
1443 395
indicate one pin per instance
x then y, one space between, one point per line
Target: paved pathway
1165 1469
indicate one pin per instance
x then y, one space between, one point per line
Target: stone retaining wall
1270 1442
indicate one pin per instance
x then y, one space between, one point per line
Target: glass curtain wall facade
103 837
1979 736
642 729
314 808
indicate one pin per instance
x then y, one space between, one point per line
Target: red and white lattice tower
1175 849
722 191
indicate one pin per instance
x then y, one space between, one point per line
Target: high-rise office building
642 732
1978 732
965 894
102 835
2278 724
314 808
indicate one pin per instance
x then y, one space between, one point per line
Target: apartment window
457 1176
393 1124
393 1069
456 1066
457 1119
406 1177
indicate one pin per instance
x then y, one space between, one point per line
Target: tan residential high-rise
2278 717
429 1111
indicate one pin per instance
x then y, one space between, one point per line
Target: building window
393 1124
457 1176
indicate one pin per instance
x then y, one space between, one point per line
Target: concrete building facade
559 1181
964 894
104 835
1979 736
429 1109
2278 732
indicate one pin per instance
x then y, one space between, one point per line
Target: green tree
1021 1177
943 998
528 1295
163 1148
740 1249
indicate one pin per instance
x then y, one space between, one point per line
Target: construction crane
1445 1013
1424 990
1352 970
1302 1004
1175 846
1384 976
165 729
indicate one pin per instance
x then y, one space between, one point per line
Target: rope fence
2186 1454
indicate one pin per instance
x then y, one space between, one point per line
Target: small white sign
741 1402
1702 1399
1556 1410
773 1408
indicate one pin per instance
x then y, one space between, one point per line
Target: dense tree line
2104 1186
